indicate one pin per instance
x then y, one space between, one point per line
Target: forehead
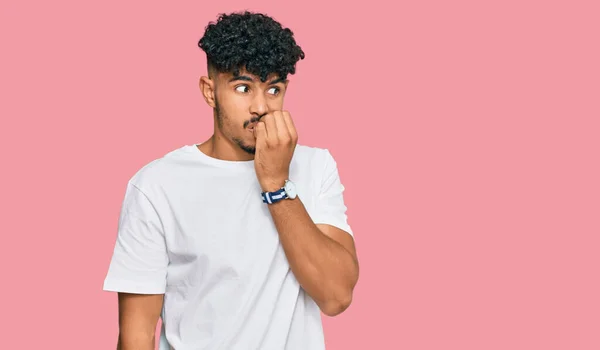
228 76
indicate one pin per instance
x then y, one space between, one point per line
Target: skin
250 123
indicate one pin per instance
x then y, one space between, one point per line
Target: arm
138 317
322 257
137 271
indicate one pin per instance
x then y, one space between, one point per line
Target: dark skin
250 123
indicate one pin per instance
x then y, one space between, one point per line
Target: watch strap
274 197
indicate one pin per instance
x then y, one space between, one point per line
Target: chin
246 147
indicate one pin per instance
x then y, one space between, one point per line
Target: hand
276 140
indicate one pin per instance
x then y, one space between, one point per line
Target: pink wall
467 135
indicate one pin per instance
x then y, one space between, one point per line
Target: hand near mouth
276 140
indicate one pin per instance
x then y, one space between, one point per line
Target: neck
219 147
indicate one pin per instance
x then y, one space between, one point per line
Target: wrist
272 185
274 193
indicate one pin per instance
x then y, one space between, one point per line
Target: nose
259 105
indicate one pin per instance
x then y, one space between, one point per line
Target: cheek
231 102
234 114
239 105
234 108
276 104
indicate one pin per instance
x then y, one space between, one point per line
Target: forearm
322 266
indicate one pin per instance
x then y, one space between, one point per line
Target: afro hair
251 41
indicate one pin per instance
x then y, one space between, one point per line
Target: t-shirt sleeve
330 208
139 261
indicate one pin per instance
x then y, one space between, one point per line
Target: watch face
290 189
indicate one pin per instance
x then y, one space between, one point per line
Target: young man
239 242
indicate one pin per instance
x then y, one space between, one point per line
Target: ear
207 87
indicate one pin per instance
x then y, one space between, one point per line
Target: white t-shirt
196 229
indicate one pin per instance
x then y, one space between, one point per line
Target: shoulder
312 156
314 162
159 170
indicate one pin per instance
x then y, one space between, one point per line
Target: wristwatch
288 191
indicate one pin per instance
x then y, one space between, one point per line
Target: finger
260 132
283 133
287 117
271 128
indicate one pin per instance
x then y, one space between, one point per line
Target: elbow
336 306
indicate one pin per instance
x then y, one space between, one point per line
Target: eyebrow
247 78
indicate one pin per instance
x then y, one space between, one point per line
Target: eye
242 88
275 92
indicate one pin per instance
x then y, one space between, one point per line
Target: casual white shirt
196 229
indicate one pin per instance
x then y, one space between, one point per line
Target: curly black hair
251 41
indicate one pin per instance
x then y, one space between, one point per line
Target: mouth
251 124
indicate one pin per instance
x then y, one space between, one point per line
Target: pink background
466 132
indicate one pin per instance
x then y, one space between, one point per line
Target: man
239 242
